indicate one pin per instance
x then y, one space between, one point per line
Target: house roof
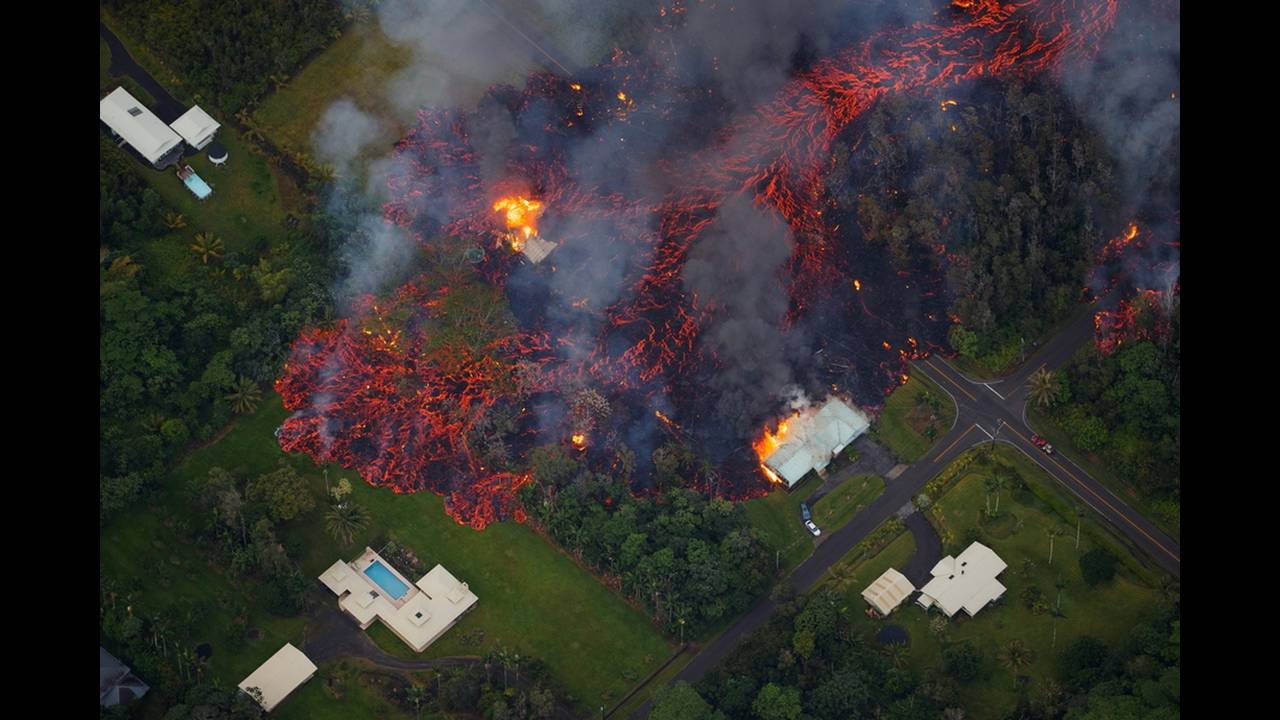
117 684
139 126
814 437
423 615
280 675
195 125
888 591
537 249
966 582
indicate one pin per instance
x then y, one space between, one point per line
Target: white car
812 528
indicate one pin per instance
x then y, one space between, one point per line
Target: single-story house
967 582
369 589
117 684
138 126
196 127
280 675
888 591
536 248
813 438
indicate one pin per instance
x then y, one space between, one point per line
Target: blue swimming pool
197 185
387 580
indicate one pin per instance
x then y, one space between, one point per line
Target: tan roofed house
888 591
966 582
285 672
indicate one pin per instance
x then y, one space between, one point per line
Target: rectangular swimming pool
197 186
393 586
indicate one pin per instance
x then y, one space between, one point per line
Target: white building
417 613
536 248
813 438
196 127
283 673
140 127
888 591
967 582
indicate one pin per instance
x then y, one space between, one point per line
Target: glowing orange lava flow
386 394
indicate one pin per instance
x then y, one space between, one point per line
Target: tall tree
207 246
1042 387
244 396
344 521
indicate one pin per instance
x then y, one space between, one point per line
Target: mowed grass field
902 424
532 597
358 66
838 507
1021 534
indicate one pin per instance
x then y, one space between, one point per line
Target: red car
1038 441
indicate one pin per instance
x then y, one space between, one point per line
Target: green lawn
838 507
357 65
902 424
360 698
1092 464
778 516
532 597
1105 612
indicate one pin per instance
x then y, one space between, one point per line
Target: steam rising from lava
701 272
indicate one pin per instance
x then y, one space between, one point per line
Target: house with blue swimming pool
369 588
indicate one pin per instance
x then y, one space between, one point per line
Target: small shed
196 127
285 672
888 591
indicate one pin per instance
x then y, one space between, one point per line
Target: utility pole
326 482
1077 533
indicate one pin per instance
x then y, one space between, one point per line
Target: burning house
655 304
810 440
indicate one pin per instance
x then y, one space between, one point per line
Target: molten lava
407 403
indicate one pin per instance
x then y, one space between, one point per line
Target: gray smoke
344 132
734 267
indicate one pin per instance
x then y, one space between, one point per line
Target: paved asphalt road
122 63
986 412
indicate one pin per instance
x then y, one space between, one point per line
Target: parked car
812 528
805 513
1038 441
1047 448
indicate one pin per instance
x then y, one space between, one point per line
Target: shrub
1097 566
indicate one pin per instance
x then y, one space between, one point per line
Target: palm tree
1016 656
207 245
343 521
898 653
1042 386
244 395
173 220
416 695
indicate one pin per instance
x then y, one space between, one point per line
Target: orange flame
521 218
946 104
857 285
579 440
767 443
